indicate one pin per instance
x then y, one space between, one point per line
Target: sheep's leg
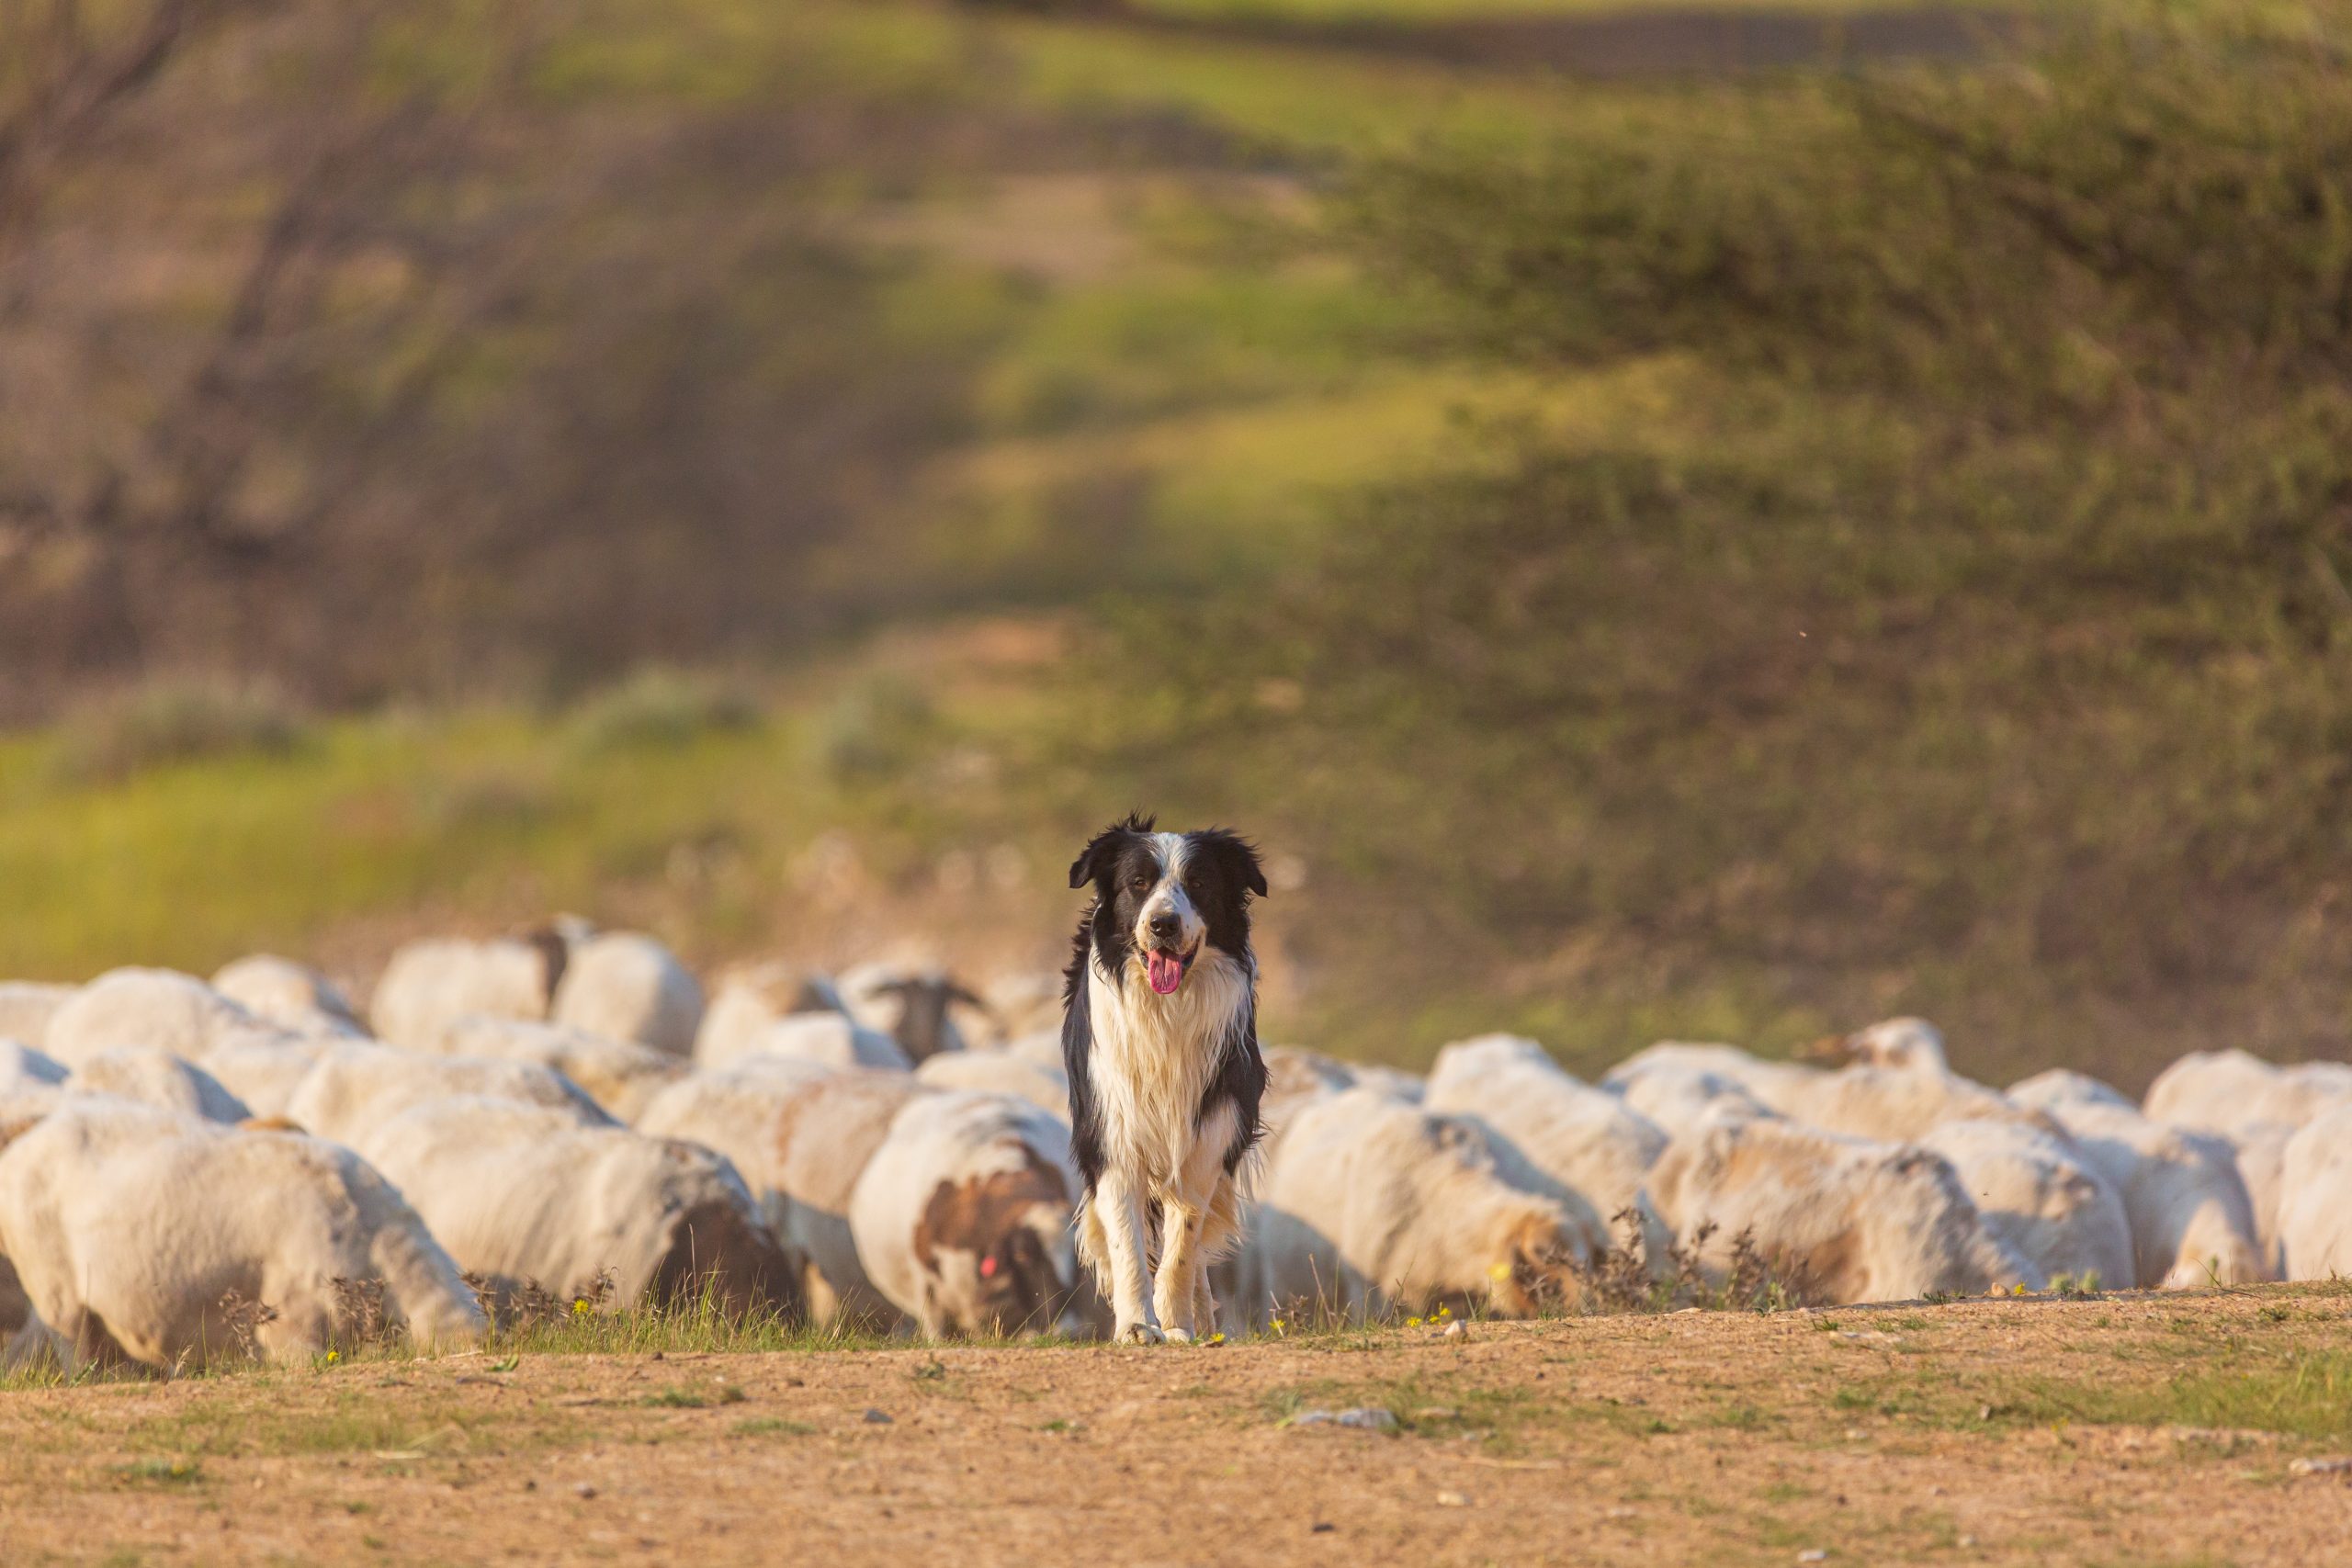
1117 1204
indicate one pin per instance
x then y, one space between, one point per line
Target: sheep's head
1535 1271
1906 1045
1001 1242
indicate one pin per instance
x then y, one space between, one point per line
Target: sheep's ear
1237 854
1094 860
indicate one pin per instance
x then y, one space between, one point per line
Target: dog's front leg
1180 1252
1117 1202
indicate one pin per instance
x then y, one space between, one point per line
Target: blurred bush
663 707
1977 642
175 720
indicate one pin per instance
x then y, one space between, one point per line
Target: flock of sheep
189 1169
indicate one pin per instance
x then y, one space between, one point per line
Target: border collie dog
1159 1031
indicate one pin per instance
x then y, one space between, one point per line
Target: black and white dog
1159 1031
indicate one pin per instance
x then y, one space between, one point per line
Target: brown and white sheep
962 1216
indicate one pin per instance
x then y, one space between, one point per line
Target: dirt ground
1980 1432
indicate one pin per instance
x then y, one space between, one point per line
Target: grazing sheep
263 1071
430 985
618 1075
1897 1105
2042 1197
909 1005
829 1039
149 1076
160 1008
1369 1204
2315 1197
626 986
1679 1099
352 1089
2225 1091
753 996
25 1008
1000 1072
1774 1083
1044 1048
2191 1220
1553 1134
1899 1044
2262 1166
1842 1219
2049 1090
524 1193
21 1066
1393 1082
800 1135
144 1235
291 996
962 1216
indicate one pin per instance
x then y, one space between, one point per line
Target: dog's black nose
1165 926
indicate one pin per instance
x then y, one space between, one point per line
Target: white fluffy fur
2191 1219
291 996
130 1226
148 1076
25 1008
1153 1058
619 1075
1856 1220
1368 1203
1002 1072
2042 1196
623 985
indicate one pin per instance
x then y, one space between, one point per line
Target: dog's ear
1237 855
1094 860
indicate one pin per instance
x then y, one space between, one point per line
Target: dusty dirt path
1928 1434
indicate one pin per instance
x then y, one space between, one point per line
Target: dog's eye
1139 881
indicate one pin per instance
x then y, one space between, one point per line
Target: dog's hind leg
1116 1202
1182 1283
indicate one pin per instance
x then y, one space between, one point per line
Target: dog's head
1161 899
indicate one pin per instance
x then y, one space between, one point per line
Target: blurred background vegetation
1717 522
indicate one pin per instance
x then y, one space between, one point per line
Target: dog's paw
1139 1334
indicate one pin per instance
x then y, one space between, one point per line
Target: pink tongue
1166 971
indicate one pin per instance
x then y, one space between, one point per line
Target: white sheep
353 1088
160 1008
1842 1219
2225 1091
829 1039
264 1069
525 1194
25 1008
2191 1220
2041 1196
750 996
1898 1104
2315 1197
2262 1166
1552 1133
628 987
1369 1204
430 985
1774 1083
21 1066
2059 1086
1679 1099
800 1134
159 1238
962 1217
1000 1072
150 1076
619 1076
292 996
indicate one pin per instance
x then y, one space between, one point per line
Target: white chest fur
1154 1058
